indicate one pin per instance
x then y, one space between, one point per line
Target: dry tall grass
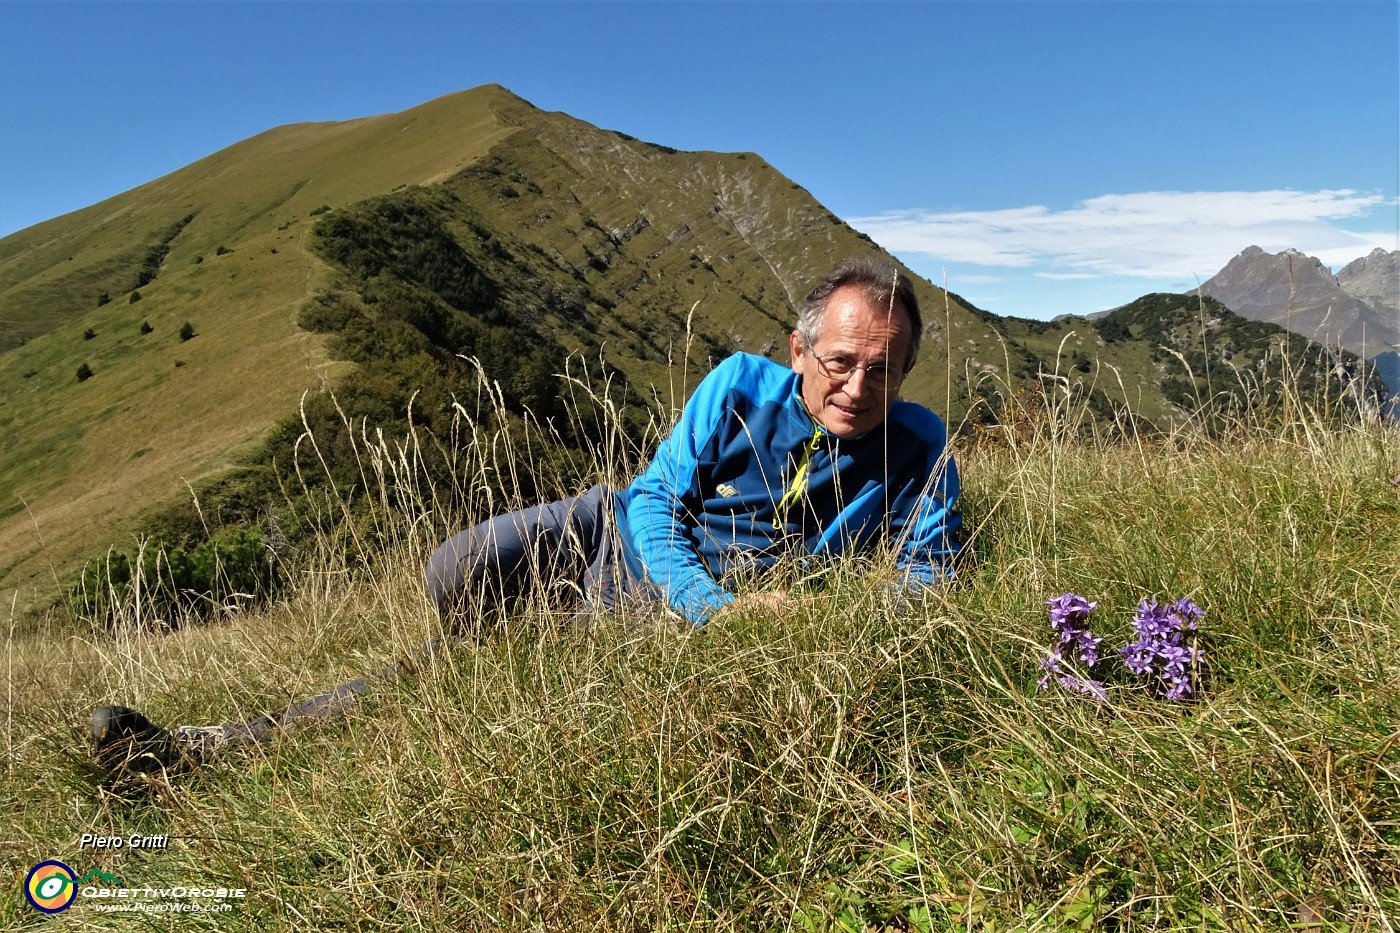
861 763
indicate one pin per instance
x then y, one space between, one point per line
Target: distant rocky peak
1358 308
1301 264
1374 279
1256 280
1254 261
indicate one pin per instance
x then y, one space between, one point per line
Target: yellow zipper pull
799 480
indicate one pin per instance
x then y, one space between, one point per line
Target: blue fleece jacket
747 477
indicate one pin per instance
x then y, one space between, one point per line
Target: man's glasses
836 366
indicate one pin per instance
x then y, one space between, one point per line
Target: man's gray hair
882 283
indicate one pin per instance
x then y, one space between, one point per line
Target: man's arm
927 520
658 521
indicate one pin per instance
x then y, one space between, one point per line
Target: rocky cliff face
1356 309
1374 279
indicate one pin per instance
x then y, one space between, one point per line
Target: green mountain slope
79 460
382 250
55 271
1165 357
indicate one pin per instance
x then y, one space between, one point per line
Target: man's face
856 331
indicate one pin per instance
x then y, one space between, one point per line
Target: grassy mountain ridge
299 255
238 193
79 461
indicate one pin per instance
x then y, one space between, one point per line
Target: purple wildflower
1160 654
1138 658
1092 688
1069 609
1187 614
1178 690
1069 617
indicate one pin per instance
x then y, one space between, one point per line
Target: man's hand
769 601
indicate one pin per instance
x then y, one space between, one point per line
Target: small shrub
146 327
89 334
222 251
103 299
135 297
172 583
320 210
186 331
1113 328
84 372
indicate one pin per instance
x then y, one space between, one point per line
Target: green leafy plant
162 585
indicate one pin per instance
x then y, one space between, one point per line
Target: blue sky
1039 157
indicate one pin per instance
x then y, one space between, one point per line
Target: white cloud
1151 234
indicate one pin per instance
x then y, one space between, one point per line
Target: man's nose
857 382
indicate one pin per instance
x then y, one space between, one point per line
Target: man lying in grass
768 461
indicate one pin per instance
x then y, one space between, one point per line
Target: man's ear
798 348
